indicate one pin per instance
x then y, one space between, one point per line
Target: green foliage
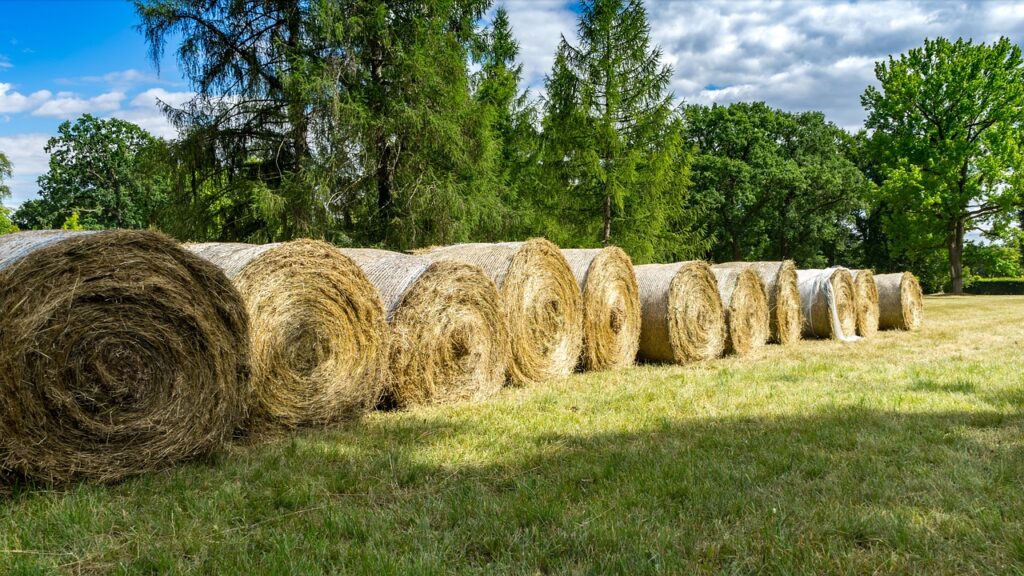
993 260
6 226
72 223
614 167
996 286
947 132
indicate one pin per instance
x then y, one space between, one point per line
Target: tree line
401 124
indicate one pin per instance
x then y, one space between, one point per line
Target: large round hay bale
746 309
542 303
449 340
318 333
120 353
899 301
780 284
829 303
867 302
611 306
683 320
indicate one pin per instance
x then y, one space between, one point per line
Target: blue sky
62 58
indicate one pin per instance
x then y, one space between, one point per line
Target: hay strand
867 302
683 320
829 303
746 309
449 340
784 308
542 302
611 306
319 336
899 301
120 353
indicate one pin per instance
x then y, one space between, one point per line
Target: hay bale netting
449 340
120 353
683 320
779 278
746 309
611 306
867 302
319 337
900 306
829 303
542 303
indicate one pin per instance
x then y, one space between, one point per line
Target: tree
101 170
6 170
947 122
616 166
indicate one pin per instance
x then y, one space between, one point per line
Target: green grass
900 454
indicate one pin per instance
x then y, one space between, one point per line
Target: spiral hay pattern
899 301
867 302
683 320
746 309
819 315
784 308
120 353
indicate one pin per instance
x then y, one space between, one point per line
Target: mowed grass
900 454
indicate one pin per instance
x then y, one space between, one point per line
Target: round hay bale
611 306
867 302
784 308
542 303
746 309
829 303
683 320
899 301
120 353
318 333
449 340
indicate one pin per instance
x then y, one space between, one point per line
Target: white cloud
14 102
5 62
66 105
28 159
145 111
538 26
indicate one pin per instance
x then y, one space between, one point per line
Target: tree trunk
956 252
606 235
383 177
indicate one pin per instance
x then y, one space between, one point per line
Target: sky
63 58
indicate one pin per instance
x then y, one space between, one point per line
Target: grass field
901 454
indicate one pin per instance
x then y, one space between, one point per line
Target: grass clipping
611 306
542 303
867 302
829 302
120 353
746 309
449 340
683 320
899 301
784 311
319 337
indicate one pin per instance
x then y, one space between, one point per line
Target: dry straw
319 337
899 301
542 302
780 284
829 303
611 306
746 309
867 302
120 353
449 340
683 320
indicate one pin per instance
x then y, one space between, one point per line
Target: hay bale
611 306
542 302
449 340
683 320
867 302
780 284
120 353
318 332
746 309
829 303
899 301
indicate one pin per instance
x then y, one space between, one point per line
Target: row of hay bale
122 351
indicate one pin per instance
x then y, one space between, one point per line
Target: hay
683 320
611 306
867 302
784 309
899 301
746 309
829 303
319 337
120 353
542 302
449 340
